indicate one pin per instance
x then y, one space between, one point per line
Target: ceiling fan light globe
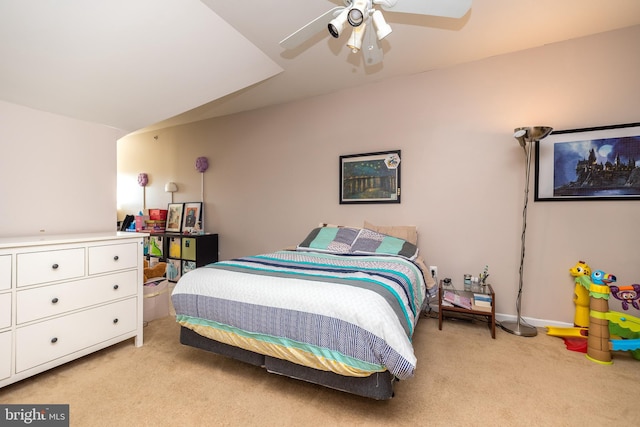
356 17
357 13
382 28
355 39
333 30
336 25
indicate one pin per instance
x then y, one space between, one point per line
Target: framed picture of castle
600 163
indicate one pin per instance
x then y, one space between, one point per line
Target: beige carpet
464 378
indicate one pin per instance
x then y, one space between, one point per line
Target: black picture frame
174 217
597 163
370 177
192 217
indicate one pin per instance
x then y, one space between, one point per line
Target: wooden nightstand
490 315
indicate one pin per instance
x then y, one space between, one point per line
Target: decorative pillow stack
330 239
372 242
372 239
344 240
404 232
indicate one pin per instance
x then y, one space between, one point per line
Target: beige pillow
428 279
410 234
326 224
404 232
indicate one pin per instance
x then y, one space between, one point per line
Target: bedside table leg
493 326
440 306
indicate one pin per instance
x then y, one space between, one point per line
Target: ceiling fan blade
445 8
371 50
311 29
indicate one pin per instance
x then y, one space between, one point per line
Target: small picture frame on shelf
174 217
192 218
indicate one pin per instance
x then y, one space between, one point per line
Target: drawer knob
54 340
115 258
115 287
55 266
54 301
115 320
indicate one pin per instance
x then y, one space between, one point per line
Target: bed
339 310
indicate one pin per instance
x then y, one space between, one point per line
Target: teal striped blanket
350 314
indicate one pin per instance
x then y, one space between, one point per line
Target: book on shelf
457 299
482 299
476 307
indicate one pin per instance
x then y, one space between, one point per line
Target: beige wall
58 174
274 172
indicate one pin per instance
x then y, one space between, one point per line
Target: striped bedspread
352 315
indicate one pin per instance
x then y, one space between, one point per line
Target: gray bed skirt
377 386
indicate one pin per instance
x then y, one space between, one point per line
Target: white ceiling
136 64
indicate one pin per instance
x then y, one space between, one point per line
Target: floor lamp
526 137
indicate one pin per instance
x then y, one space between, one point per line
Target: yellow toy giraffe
581 294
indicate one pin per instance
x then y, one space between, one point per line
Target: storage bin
156 300
158 214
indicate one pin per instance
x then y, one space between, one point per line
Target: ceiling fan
361 14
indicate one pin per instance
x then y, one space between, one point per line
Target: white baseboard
538 323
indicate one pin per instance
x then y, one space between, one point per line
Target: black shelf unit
182 252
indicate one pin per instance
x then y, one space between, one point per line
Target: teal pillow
371 242
330 239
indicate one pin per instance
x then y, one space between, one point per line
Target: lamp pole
526 137
518 327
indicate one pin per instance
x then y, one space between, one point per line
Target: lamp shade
336 25
355 41
382 28
520 134
170 187
537 133
143 179
202 164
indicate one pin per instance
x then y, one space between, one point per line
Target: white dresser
63 297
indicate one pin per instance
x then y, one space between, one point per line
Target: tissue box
141 222
156 300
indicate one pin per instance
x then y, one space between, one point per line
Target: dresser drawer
52 339
49 266
107 258
5 310
5 272
5 355
45 301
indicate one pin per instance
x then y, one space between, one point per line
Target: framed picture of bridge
599 163
370 177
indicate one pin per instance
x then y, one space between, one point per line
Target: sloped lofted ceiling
148 64
122 63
